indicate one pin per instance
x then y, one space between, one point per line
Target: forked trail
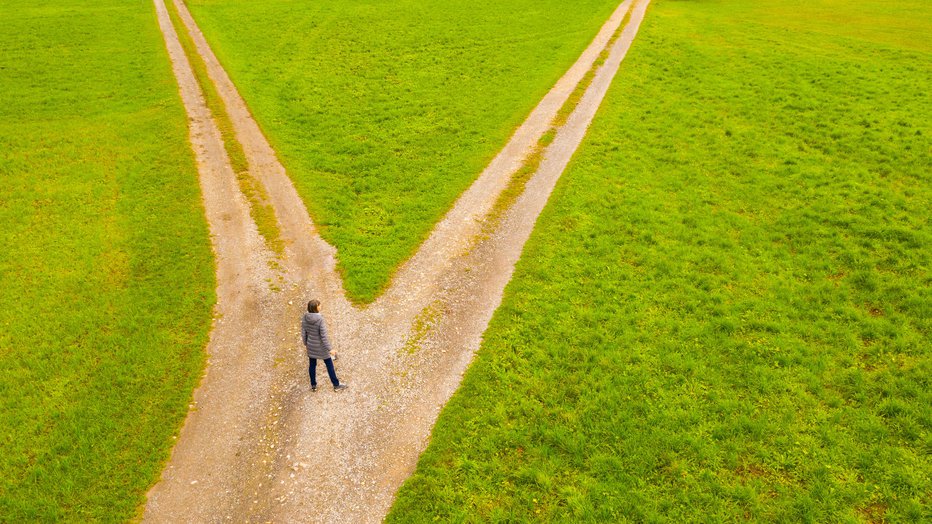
257 445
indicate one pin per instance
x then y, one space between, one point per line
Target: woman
314 335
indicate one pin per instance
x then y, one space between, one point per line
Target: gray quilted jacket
314 336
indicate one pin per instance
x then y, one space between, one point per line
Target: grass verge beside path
724 313
106 272
384 113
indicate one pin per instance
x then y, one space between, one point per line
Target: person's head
313 306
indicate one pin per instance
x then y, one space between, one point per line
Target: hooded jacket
314 336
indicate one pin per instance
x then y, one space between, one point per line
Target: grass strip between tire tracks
260 209
529 167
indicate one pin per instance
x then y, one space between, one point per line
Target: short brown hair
312 306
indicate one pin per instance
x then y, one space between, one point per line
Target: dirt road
257 445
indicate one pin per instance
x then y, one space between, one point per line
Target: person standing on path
314 336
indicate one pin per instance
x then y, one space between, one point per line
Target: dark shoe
313 387
340 387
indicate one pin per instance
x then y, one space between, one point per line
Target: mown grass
105 264
383 113
725 311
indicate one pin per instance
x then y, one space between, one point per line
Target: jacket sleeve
304 333
324 339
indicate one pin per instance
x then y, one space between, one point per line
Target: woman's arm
324 339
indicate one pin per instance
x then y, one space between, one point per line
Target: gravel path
257 445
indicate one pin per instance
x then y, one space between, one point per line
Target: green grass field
383 113
105 264
725 311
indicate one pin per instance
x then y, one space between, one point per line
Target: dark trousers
330 371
